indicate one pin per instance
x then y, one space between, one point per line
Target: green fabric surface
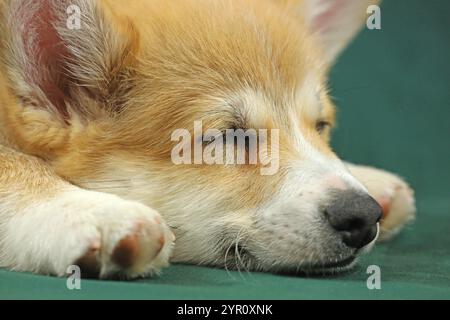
392 87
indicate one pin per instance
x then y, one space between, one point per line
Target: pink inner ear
324 20
48 54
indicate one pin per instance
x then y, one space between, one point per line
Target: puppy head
101 103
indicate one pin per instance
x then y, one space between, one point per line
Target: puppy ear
336 22
66 56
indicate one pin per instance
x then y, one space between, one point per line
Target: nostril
354 232
355 224
359 238
347 225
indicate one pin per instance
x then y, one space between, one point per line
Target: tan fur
157 66
205 70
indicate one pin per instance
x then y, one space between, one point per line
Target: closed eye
322 125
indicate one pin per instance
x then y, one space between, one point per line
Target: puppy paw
134 241
106 236
398 204
394 195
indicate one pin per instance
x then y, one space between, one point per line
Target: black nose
354 216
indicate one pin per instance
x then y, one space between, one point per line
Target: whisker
238 259
226 261
238 254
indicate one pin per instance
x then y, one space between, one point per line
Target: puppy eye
222 137
322 125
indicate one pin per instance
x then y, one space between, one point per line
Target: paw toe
126 251
398 209
89 263
135 253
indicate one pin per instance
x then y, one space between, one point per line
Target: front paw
398 204
110 237
394 195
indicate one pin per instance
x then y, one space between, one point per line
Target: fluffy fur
86 118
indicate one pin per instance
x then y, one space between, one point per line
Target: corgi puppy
91 94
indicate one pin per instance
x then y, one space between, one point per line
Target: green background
392 87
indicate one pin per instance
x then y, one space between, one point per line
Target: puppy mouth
330 268
246 259
339 264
